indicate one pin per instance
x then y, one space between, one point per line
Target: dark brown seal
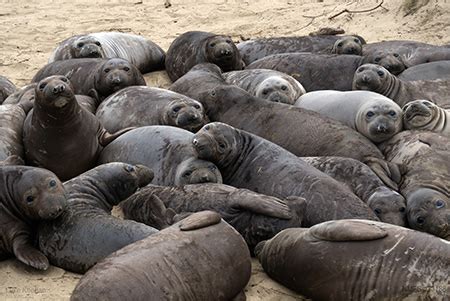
28 195
335 261
195 47
6 88
199 258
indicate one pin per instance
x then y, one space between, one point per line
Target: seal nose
57 212
58 89
204 179
382 128
116 81
225 52
365 78
193 117
195 142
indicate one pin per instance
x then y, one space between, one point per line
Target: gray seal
424 115
347 45
6 88
427 71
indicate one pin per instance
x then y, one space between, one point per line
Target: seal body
6 88
373 115
142 106
194 47
424 115
427 71
12 118
410 265
139 51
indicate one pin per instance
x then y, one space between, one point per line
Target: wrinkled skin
422 114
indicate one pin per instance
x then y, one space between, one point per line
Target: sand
30 30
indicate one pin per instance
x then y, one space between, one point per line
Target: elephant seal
97 78
255 216
427 71
28 195
12 118
86 232
139 51
387 204
167 150
424 115
267 84
194 47
347 45
281 124
321 71
426 175
248 161
59 134
199 258
373 115
377 79
142 106
6 88
335 260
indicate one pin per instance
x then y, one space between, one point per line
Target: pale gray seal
424 115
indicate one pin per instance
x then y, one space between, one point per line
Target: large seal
388 204
409 265
97 78
427 71
6 88
59 134
373 115
194 47
248 161
424 115
167 150
199 258
28 195
12 118
141 52
281 124
267 84
377 79
87 232
255 216
141 106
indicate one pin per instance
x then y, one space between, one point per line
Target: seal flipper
389 173
200 220
105 138
347 230
29 255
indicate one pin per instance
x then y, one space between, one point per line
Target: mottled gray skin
255 216
377 79
248 161
427 71
373 115
267 84
6 88
142 106
281 124
12 118
97 78
347 45
424 115
199 258
142 53
358 260
167 150
388 204
27 196
319 71
195 47
86 232
424 157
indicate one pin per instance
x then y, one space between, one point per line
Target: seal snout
59 88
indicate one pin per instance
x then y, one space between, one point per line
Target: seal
387 204
255 216
167 150
87 232
6 88
12 118
377 79
141 106
97 78
347 45
194 47
375 116
28 195
267 84
427 71
424 115
139 51
59 134
167 266
248 161
301 259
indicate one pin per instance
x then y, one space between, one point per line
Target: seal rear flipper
265 205
29 255
105 138
347 230
200 220
389 173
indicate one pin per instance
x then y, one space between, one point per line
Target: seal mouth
415 111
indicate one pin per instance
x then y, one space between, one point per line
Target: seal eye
187 173
42 86
212 168
212 45
129 168
80 45
377 211
361 69
197 107
284 88
370 114
377 59
428 104
392 113
107 70
228 41
221 145
396 55
64 79
357 41
30 199
207 127
420 220
264 92
98 43
176 109
380 72
126 69
52 183
340 44
402 209
440 204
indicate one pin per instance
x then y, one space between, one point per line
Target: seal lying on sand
424 115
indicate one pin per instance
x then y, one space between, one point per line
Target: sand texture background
30 30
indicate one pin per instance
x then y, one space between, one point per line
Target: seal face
370 77
188 115
220 50
113 75
419 114
347 45
54 92
276 89
391 61
87 47
195 171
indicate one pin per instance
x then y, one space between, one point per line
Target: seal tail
390 173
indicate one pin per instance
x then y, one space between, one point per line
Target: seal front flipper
105 138
200 220
30 256
389 173
347 230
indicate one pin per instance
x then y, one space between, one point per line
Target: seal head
196 171
87 47
347 45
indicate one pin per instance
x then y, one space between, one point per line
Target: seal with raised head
427 71
373 115
12 118
167 150
267 84
87 232
424 115
248 161
97 78
377 79
410 265
6 88
199 258
141 52
195 47
142 106
28 195
347 45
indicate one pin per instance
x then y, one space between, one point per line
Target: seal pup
347 45
424 115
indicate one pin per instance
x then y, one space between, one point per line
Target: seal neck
9 198
392 88
231 167
55 117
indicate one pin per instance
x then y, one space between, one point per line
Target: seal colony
231 163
